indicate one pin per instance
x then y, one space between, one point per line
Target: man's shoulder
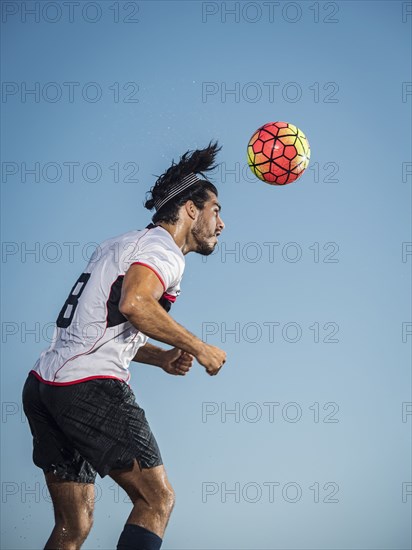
129 236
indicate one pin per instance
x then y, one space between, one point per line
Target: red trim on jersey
169 297
154 271
73 381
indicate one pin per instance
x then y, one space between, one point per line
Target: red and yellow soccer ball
278 153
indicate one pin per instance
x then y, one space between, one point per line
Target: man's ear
191 209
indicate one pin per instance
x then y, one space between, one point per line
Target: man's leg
73 505
70 478
153 499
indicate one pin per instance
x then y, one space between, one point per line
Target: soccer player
81 410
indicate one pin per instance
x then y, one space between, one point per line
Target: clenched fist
177 361
212 358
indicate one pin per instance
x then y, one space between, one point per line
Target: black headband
184 183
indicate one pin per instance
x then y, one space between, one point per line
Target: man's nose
221 224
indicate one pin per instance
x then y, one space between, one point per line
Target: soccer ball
278 153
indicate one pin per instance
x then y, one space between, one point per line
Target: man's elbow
134 308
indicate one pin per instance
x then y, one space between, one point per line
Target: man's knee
149 486
160 497
166 499
75 529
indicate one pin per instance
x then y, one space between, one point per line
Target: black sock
135 537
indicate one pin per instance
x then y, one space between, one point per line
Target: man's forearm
150 318
150 355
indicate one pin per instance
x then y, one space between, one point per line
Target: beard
204 247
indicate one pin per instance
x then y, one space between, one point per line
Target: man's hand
176 361
212 358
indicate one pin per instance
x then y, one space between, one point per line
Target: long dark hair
197 162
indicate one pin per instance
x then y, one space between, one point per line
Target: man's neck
178 232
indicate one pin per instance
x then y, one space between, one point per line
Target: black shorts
87 428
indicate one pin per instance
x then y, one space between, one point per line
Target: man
82 413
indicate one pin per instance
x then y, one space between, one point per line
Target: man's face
208 226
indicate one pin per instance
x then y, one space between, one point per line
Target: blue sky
308 292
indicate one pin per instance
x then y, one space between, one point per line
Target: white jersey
92 339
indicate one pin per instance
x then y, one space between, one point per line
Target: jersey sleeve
160 257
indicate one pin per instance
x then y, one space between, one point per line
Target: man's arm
139 303
173 361
150 355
